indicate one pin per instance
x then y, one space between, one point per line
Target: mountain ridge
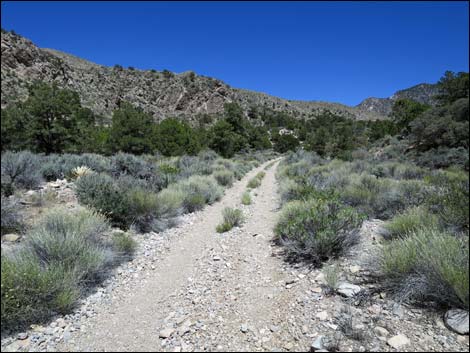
159 93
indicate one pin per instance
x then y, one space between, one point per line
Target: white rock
381 332
322 315
348 289
10 237
457 320
165 333
398 341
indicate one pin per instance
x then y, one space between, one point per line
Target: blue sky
331 51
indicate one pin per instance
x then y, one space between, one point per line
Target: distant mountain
423 93
159 93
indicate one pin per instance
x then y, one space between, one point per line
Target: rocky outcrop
160 93
422 93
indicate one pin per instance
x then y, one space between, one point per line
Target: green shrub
428 265
254 183
71 240
410 221
331 277
449 199
142 206
20 170
62 253
32 293
232 218
124 244
246 198
198 191
317 230
101 192
224 177
11 219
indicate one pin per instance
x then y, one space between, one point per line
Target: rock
322 315
22 335
290 281
216 258
317 344
316 290
167 332
244 328
11 237
288 346
398 310
320 278
348 289
354 269
38 328
274 328
398 341
457 321
380 331
61 323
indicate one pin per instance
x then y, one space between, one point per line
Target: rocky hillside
160 93
422 93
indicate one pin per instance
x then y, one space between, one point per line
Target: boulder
348 289
457 321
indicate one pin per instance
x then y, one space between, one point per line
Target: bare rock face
159 93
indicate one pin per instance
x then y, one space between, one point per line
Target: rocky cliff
160 93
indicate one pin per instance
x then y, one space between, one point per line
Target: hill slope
160 93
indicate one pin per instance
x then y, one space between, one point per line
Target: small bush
331 277
31 293
224 177
72 241
410 221
124 244
232 218
317 230
11 219
246 198
62 253
428 265
20 170
78 172
198 191
449 199
102 193
254 183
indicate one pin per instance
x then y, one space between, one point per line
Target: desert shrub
31 293
449 198
254 183
198 191
169 207
71 240
317 230
224 177
11 219
331 277
246 198
101 192
443 157
124 244
232 218
128 164
410 221
78 172
62 253
141 208
383 197
428 265
20 169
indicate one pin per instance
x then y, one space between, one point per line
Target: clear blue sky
331 51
